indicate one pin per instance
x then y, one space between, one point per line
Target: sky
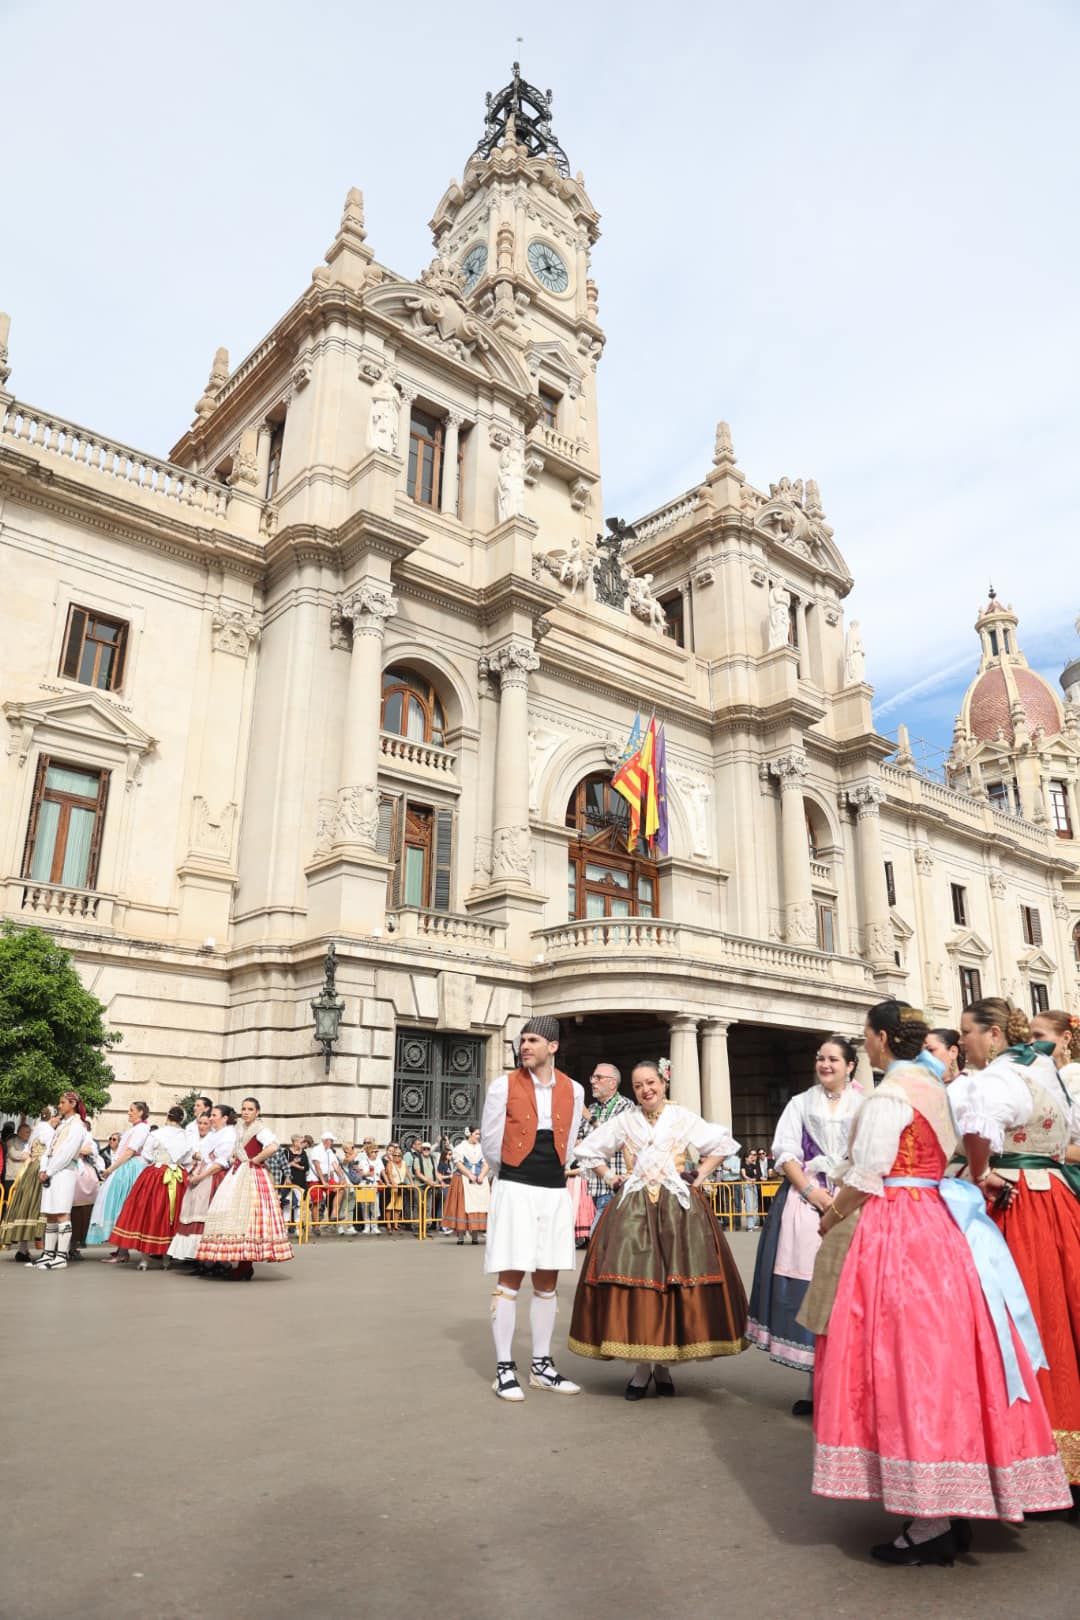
849 230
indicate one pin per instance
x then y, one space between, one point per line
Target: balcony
51 902
418 757
446 929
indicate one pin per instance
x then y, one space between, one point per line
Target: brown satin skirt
658 1284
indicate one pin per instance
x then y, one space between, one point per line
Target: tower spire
521 113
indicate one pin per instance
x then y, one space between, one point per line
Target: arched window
604 879
411 707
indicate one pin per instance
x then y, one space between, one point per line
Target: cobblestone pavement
324 1442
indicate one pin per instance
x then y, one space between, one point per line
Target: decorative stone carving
592 301
932 978
813 499
865 799
533 467
800 923
702 575
324 825
504 250
1061 908
758 576
779 616
510 490
340 638
609 571
694 795
854 656
233 632
512 854
642 604
441 315
879 943
385 416
482 860
832 616
790 770
542 744
245 467
512 664
724 450
219 376
576 569
301 373
580 495
5 332
997 885
924 860
369 606
499 437
211 835
356 818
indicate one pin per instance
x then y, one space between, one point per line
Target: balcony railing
52 900
446 928
658 936
426 756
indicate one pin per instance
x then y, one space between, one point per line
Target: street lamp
328 1006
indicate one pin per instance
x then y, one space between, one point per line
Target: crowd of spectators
361 1188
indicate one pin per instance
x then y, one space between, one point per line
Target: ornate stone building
352 665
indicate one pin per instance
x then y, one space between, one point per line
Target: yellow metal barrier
727 1201
394 1209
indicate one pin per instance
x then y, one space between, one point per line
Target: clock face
473 265
548 268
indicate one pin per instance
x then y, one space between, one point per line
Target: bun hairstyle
850 1056
1063 1023
175 1116
995 1010
947 1037
227 1112
144 1109
903 1026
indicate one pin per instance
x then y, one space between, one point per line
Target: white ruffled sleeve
882 1122
988 1102
601 1145
787 1139
712 1141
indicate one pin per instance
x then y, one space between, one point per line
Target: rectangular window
63 840
1031 925
425 459
970 986
994 643
826 926
890 883
1059 810
959 904
673 613
998 794
417 841
94 649
273 465
549 408
1040 998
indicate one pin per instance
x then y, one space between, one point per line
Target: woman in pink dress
922 1398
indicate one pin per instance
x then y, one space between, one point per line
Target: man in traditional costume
530 1125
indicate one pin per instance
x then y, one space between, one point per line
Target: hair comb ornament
912 1015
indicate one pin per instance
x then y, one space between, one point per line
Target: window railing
427 755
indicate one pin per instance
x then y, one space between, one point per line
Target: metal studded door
438 1085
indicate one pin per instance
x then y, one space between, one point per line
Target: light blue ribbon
1001 1283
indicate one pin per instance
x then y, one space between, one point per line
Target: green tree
52 1030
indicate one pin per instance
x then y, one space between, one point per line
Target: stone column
408 393
799 923
715 1071
369 605
511 844
685 1074
877 937
262 459
449 502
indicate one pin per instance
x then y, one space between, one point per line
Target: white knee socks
503 1319
52 1237
64 1239
542 1321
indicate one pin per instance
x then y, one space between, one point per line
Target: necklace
653 1117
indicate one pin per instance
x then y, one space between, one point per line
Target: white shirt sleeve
882 1122
137 1138
709 1139
575 1123
988 1102
787 1138
266 1138
1070 1079
601 1145
493 1122
64 1148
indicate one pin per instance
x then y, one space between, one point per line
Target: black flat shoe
637 1392
803 1409
941 1550
961 1529
663 1387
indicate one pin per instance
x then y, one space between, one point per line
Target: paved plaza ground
323 1443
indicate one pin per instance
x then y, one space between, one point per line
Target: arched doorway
604 878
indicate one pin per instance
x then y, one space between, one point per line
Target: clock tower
519 228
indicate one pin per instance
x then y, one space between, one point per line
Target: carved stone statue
577 569
510 493
854 656
385 415
642 604
779 616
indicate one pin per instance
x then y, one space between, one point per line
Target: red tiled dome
988 708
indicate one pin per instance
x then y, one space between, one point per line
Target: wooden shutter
76 629
388 845
1036 926
35 807
119 660
444 856
99 828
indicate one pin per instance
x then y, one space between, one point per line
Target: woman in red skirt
244 1222
148 1216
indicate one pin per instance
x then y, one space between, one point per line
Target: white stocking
64 1243
542 1321
503 1320
52 1237
920 1530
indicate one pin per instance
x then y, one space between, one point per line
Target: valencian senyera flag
637 781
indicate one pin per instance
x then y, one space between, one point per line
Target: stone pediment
437 316
558 359
966 942
902 930
792 519
1037 961
83 717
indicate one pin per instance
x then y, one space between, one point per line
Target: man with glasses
608 1100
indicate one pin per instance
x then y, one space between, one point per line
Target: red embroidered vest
519 1133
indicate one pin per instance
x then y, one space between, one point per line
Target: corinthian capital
865 800
512 663
369 607
790 770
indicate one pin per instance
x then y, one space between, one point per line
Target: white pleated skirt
529 1229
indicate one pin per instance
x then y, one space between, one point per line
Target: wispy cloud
945 676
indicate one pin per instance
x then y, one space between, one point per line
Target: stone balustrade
244 370
35 430
560 445
666 517
912 788
404 751
821 871
446 928
53 901
604 933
